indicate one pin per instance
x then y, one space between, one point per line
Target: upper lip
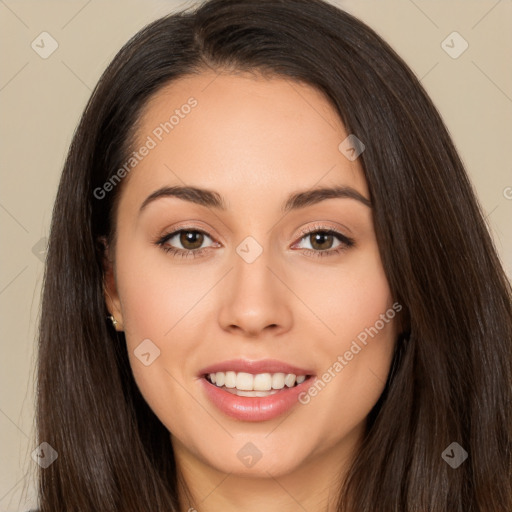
255 367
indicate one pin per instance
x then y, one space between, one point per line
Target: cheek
160 302
155 296
155 300
357 355
353 297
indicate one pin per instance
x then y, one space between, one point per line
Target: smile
254 405
259 385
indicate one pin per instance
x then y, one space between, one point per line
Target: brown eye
191 240
321 240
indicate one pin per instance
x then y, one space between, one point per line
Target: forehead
238 132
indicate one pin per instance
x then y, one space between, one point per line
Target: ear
109 284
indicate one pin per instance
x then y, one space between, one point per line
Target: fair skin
255 141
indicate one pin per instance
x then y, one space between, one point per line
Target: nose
255 298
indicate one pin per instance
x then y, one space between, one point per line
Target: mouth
255 390
255 385
255 404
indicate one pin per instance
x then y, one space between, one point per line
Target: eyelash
346 242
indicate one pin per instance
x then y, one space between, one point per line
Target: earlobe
113 304
110 294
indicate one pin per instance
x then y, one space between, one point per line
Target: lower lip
252 408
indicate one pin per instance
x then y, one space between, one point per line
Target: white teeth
289 380
230 380
220 377
246 382
252 393
278 381
262 382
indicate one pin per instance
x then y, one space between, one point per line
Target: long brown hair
451 378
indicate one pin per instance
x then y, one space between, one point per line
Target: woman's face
255 285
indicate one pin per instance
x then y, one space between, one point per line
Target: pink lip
247 408
254 367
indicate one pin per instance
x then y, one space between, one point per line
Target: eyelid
187 226
176 230
319 226
345 242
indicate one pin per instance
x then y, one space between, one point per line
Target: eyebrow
295 201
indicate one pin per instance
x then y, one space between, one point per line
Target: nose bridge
253 297
251 274
252 253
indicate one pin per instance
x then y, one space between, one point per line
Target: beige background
41 101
